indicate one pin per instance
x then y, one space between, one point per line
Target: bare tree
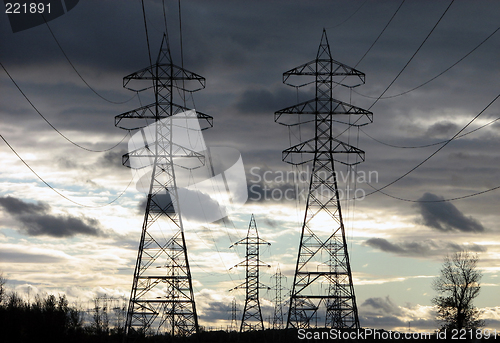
457 286
2 287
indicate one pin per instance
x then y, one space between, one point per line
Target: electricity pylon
252 315
322 284
278 299
162 298
234 315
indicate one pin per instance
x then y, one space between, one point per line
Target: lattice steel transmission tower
252 315
322 285
234 315
277 322
162 298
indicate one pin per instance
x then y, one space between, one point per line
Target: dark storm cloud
67 163
217 310
36 220
112 159
424 248
18 207
13 256
264 101
453 247
273 185
444 216
203 207
273 192
442 129
385 305
380 312
271 223
100 19
162 200
384 245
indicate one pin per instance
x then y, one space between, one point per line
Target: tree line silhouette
50 318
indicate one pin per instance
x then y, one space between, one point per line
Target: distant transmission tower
234 315
252 315
278 299
162 299
322 285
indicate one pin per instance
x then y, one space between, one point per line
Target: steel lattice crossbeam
322 287
162 298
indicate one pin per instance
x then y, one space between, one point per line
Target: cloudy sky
81 242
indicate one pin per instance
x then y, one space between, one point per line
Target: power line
182 51
445 142
166 26
438 150
78 73
374 42
407 63
435 77
428 201
440 200
55 190
381 32
414 54
349 17
428 145
50 124
146 28
376 190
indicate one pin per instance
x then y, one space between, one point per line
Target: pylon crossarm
164 72
332 107
147 155
124 121
333 146
147 73
310 69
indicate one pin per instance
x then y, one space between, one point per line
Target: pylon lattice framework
162 298
322 285
252 315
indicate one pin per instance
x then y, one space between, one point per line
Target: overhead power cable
457 135
147 35
435 77
165 22
439 200
349 17
407 63
374 42
50 124
77 72
432 144
380 34
438 150
55 190
414 54
183 95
